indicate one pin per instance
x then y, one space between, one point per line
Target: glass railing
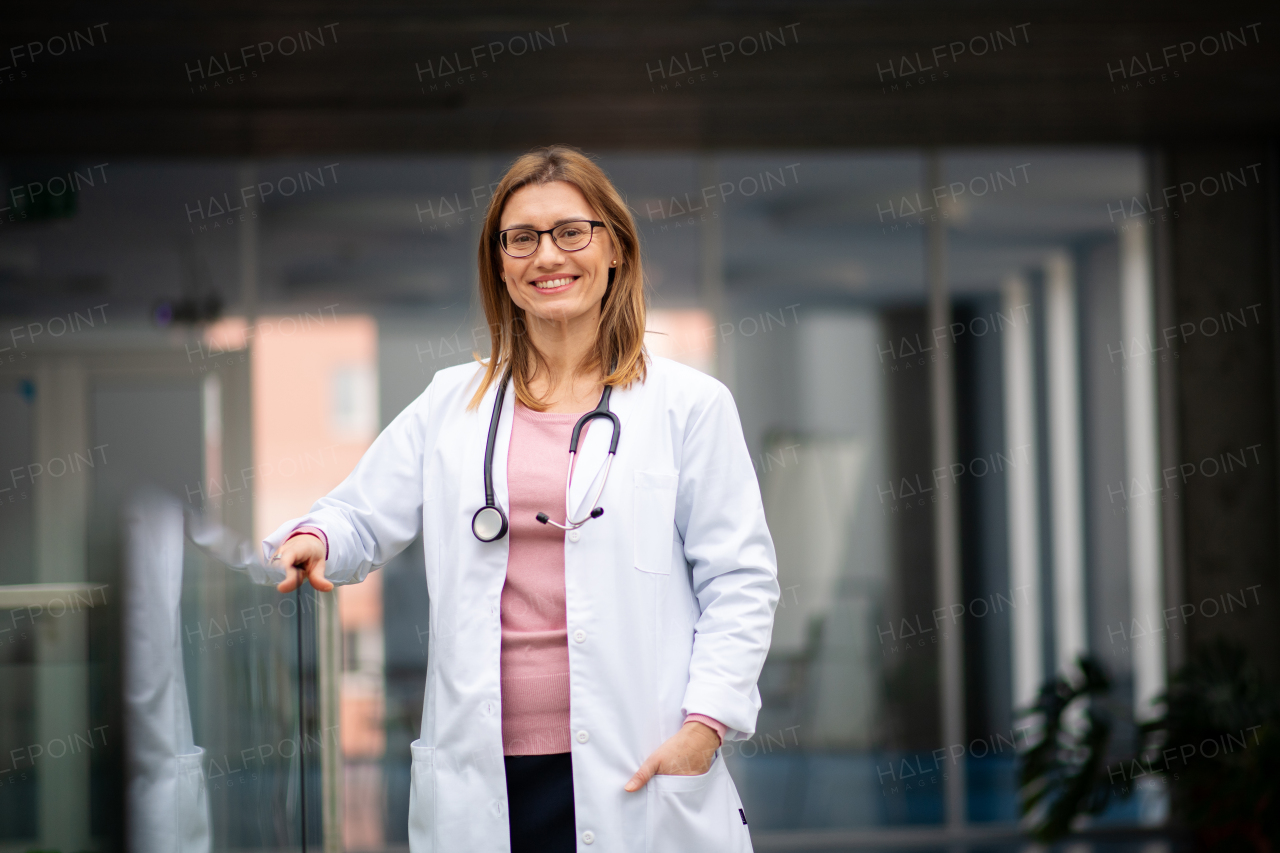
218 732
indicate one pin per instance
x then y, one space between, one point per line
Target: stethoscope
490 522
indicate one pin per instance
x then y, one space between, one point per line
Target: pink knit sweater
535 645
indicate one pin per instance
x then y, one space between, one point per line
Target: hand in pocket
689 752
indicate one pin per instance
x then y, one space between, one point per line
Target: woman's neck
563 347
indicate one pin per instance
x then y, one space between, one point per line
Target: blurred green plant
1217 746
1063 775
1229 799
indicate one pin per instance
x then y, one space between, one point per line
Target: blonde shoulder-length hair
620 334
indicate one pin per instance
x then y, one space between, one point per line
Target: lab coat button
579 636
574 536
583 737
588 837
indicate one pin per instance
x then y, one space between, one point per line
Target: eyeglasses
568 236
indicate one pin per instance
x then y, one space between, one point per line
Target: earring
613 263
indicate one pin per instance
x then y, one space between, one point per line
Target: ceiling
801 91
345 78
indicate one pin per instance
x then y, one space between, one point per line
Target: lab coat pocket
697 814
422 799
654 520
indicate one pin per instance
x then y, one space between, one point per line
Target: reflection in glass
167 798
250 679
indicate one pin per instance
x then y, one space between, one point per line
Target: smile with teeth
555 282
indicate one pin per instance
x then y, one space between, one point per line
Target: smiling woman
616 735
579 295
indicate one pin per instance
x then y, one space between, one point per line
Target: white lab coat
669 598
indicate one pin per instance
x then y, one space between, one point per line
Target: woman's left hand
689 752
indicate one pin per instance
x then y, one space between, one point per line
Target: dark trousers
540 800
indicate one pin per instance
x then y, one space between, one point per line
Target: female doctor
602 594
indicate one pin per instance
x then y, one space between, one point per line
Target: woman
579 684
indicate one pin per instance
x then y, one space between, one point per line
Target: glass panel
214 749
148 433
797 278
18 815
1034 260
823 340
240 653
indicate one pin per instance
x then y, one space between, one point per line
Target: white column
1142 463
248 247
1062 351
711 275
479 178
211 413
1023 501
61 427
946 513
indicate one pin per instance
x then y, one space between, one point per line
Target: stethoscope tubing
490 523
595 512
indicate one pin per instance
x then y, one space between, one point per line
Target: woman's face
553 284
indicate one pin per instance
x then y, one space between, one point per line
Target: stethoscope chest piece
489 524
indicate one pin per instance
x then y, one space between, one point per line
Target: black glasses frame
501 241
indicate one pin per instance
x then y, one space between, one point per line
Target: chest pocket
654 520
